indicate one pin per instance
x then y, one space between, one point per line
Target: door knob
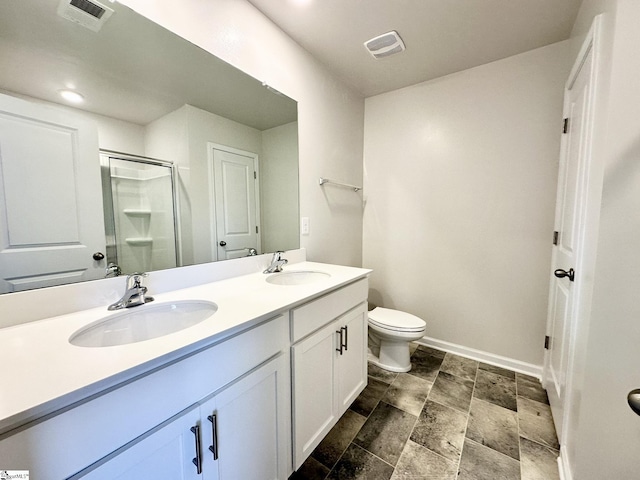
98 256
223 243
634 400
563 273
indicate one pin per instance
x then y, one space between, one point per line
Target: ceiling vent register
89 14
384 45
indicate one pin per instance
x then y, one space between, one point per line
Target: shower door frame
107 196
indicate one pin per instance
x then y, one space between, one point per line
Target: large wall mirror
171 157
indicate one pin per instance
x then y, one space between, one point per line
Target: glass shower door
140 213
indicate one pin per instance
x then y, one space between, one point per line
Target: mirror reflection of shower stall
139 199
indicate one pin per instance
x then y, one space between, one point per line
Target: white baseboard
563 466
485 357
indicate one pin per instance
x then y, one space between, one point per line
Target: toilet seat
395 320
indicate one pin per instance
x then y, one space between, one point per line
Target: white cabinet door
314 387
246 427
352 364
330 371
166 453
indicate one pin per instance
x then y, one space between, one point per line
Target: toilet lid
396 320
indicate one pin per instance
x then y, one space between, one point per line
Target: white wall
166 139
279 203
118 135
460 181
329 113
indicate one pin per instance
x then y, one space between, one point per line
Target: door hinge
255 176
256 229
555 237
547 342
565 125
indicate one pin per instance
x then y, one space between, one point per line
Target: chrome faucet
277 263
136 293
112 270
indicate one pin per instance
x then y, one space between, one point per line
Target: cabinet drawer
313 315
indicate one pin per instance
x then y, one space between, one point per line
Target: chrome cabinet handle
340 342
346 337
197 459
214 435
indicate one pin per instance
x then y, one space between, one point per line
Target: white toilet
390 332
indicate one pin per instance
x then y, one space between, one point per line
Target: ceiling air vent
89 14
385 44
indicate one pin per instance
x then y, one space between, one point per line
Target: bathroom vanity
246 393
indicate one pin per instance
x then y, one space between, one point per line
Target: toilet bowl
390 332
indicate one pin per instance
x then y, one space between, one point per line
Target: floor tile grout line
349 443
500 453
540 443
405 443
466 427
364 449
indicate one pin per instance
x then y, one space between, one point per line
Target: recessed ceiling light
71 96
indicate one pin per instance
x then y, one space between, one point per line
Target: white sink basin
300 277
143 323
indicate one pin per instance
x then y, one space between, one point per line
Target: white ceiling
441 36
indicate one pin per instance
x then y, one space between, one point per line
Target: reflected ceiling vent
384 45
89 14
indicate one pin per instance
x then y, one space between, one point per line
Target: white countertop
41 372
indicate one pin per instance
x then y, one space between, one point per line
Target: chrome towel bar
355 188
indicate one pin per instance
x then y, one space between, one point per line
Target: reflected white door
51 220
570 225
236 202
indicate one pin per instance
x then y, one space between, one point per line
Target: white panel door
569 224
235 203
51 222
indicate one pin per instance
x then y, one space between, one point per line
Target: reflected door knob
564 273
634 400
98 256
223 243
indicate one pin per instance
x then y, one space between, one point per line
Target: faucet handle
135 279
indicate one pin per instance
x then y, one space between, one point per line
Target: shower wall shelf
324 181
139 241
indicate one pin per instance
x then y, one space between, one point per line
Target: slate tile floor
448 418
